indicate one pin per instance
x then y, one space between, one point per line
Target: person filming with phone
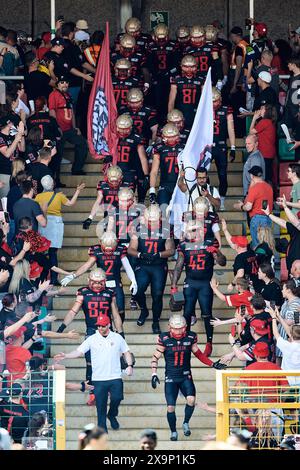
200 187
259 197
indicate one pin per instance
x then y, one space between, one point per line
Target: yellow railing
267 403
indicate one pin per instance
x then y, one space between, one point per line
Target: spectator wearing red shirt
17 354
61 108
260 196
241 301
45 46
264 126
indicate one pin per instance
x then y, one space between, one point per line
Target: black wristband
82 389
62 328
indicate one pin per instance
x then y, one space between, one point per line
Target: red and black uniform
128 157
94 305
143 120
142 42
188 96
111 263
219 150
110 195
248 262
178 376
14 418
184 135
121 88
168 170
162 61
47 125
137 60
151 269
199 267
204 56
125 222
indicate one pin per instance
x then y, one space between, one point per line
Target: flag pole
251 15
53 19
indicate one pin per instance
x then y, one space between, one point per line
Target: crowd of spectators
49 109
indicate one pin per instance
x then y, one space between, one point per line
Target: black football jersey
198 259
127 152
110 263
152 242
95 304
121 88
162 59
249 263
168 162
143 120
125 223
137 61
188 96
177 355
109 194
220 125
47 125
142 42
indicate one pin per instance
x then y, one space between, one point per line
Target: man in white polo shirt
106 348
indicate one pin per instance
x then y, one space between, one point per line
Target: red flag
102 112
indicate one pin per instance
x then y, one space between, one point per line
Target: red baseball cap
260 327
240 241
46 37
261 350
103 320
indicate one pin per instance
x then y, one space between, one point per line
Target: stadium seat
283 178
284 275
284 151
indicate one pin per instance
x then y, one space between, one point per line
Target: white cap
82 36
298 30
82 24
265 77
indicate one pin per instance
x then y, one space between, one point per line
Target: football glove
155 381
86 224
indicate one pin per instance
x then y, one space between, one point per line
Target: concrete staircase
142 407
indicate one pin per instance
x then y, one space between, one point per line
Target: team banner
102 111
197 152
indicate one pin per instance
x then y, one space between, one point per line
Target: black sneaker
156 328
113 422
142 318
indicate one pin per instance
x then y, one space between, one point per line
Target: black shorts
186 386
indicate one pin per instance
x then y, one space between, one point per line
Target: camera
296 318
204 187
248 24
264 204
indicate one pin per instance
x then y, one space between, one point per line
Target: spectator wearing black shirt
38 397
7 314
266 248
26 207
46 123
34 143
76 62
14 416
292 100
293 229
41 168
9 148
37 82
13 196
270 287
267 94
60 64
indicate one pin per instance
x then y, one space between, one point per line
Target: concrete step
162 445
67 301
92 179
144 352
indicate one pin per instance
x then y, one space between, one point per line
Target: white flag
197 150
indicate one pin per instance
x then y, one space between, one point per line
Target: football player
186 90
133 27
223 127
151 246
110 257
165 159
176 346
122 81
95 300
137 59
